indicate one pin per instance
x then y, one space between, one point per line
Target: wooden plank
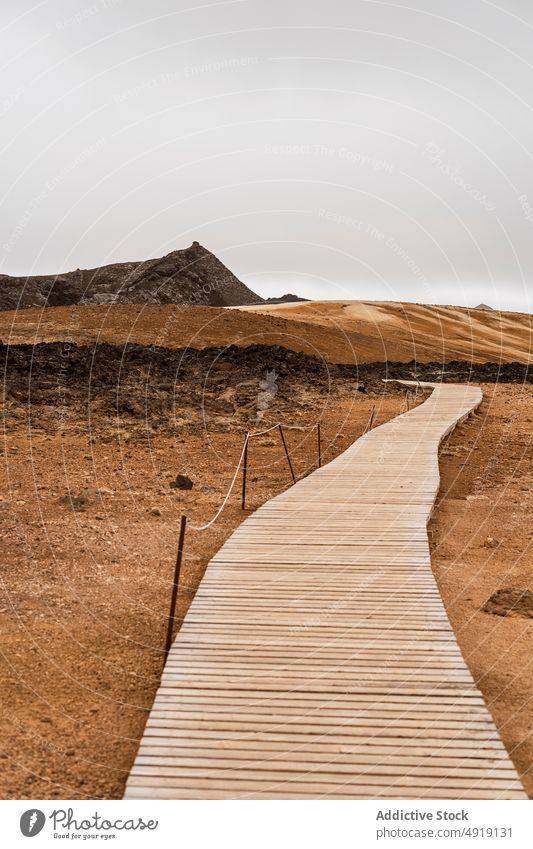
289 739
423 751
317 660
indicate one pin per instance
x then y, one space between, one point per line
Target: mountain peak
190 275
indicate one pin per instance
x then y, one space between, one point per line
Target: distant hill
388 329
285 299
190 276
484 307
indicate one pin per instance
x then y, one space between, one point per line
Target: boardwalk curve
317 659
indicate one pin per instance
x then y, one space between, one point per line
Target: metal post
287 453
318 444
177 570
244 470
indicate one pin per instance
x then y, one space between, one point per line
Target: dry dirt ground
482 541
343 332
85 593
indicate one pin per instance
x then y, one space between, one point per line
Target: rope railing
230 490
281 427
285 426
247 436
262 432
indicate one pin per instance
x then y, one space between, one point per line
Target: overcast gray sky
334 149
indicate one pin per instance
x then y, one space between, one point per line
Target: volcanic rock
190 276
181 482
510 602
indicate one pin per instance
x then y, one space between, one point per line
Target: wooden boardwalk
317 660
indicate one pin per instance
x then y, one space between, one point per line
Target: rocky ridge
190 276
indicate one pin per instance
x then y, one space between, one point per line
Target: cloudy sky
340 149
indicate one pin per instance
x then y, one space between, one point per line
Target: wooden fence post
287 453
244 470
177 570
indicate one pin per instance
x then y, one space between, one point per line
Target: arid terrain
94 437
482 541
348 332
91 522
428 331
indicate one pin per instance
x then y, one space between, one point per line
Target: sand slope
433 332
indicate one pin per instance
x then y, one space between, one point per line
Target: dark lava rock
190 276
286 299
150 382
510 602
181 482
79 503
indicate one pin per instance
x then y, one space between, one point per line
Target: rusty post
287 453
177 570
318 444
244 470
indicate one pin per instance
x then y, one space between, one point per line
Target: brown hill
416 331
193 275
353 332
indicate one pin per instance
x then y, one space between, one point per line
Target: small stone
181 482
490 542
155 511
77 503
510 602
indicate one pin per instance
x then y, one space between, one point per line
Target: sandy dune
432 332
